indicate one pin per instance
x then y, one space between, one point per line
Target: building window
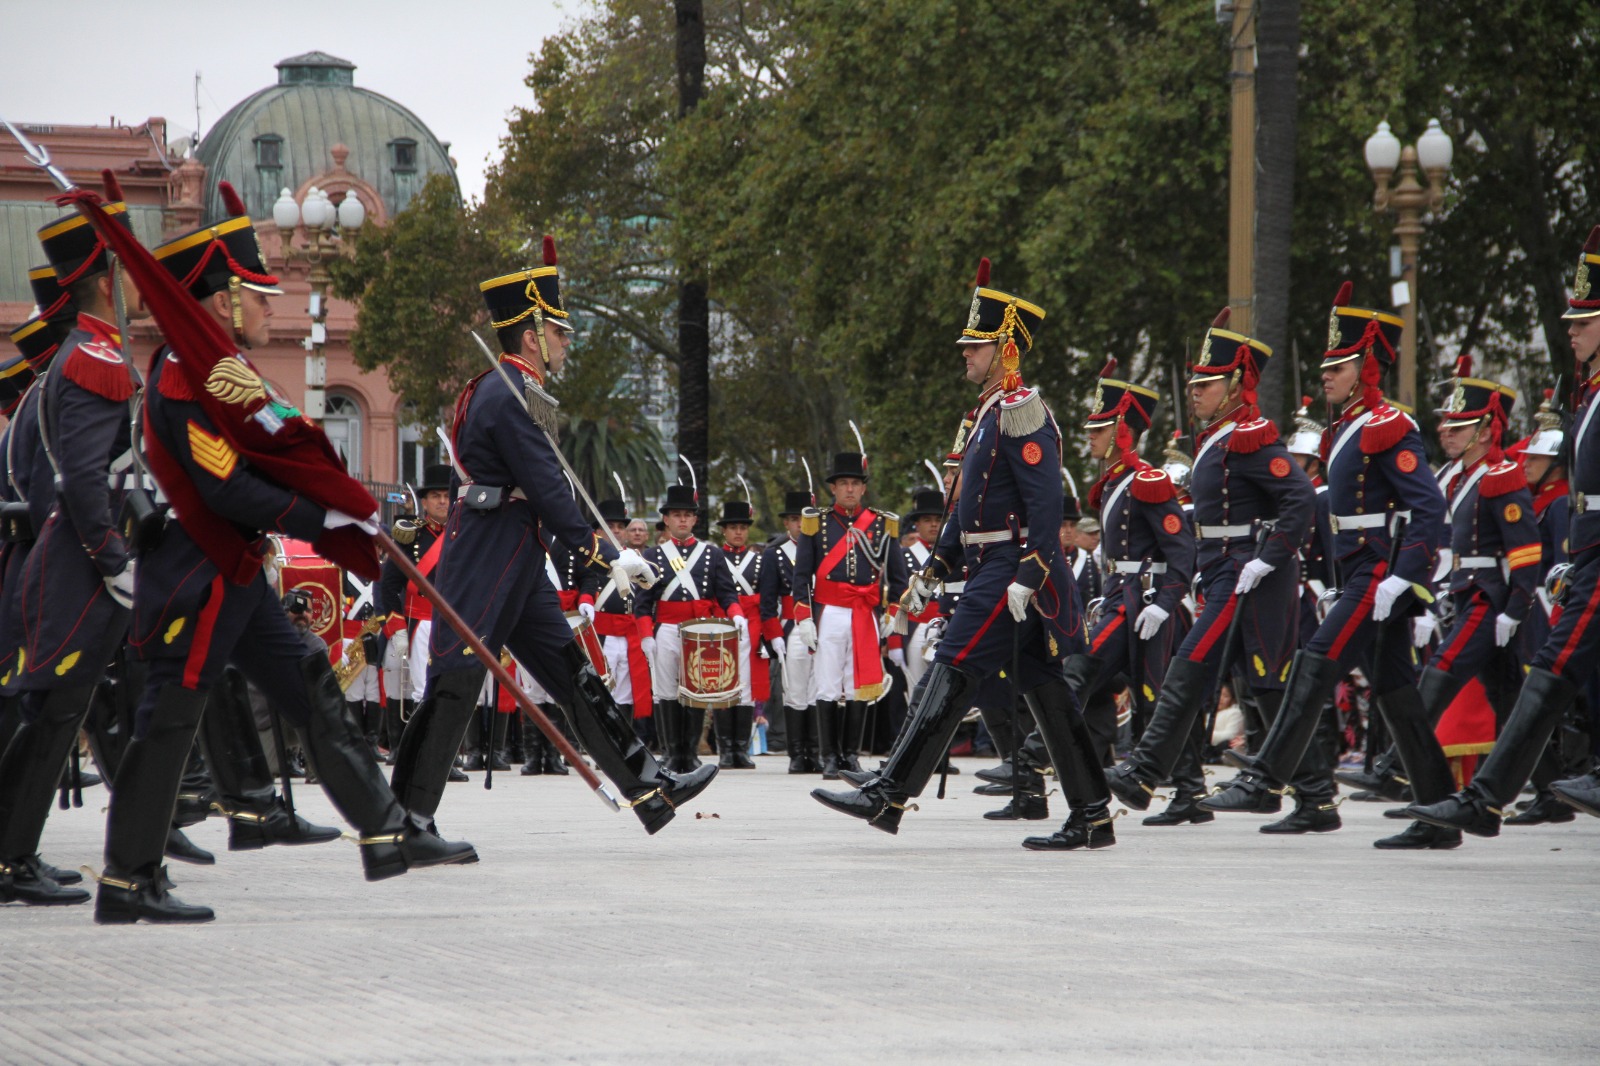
342 423
403 154
269 151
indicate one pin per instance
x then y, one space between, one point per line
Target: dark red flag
273 437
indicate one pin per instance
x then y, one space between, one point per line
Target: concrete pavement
776 931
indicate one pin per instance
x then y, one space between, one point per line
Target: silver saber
39 156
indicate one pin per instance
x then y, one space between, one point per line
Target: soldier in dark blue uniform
695 584
200 606
401 604
848 567
73 588
1252 507
1566 660
778 604
623 644
1019 611
733 725
1376 474
492 568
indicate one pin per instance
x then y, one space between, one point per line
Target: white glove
779 648
648 646
120 586
742 624
335 519
402 641
1505 627
1150 621
1389 590
1423 627
272 566
805 631
630 568
898 657
1017 597
586 610
886 625
1250 576
918 593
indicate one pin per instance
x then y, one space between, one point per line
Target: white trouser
364 687
799 668
396 668
744 667
915 645
834 674
526 683
419 658
669 663
616 649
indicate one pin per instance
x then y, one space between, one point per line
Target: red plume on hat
112 187
1464 366
1345 290
1593 243
983 270
230 200
1222 318
549 250
1110 367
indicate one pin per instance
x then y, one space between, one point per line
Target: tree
1277 110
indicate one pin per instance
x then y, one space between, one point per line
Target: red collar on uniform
847 517
102 329
682 543
923 542
1548 494
1222 421
524 366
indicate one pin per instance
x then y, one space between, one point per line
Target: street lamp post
1408 200
320 217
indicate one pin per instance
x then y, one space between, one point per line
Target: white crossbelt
955 586
1223 532
1477 562
1364 521
1132 566
685 569
1582 503
995 536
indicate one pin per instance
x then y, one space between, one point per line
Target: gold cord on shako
538 307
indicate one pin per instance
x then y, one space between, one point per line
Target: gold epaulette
891 524
810 521
403 531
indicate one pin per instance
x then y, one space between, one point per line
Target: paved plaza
772 930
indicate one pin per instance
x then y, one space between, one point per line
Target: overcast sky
458 66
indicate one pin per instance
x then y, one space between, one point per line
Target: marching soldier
73 588
1019 611
734 724
848 565
1566 659
622 640
700 586
926 516
1252 508
405 658
1386 515
203 600
778 604
512 489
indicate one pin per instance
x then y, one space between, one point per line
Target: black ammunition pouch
16 525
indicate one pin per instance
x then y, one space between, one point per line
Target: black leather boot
800 733
554 764
134 885
1260 789
1183 809
533 744
944 695
1382 780
432 737
606 732
1547 808
1165 740
498 723
474 742
1085 828
694 726
830 724
1477 809
722 725
1582 793
393 839
1005 743
195 793
1311 814
744 722
1421 837
30 771
1070 748
246 796
180 848
1410 715
392 728
853 736
25 880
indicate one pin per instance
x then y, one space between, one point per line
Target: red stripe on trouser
200 648
1577 631
1359 615
1447 655
987 622
1111 627
1218 628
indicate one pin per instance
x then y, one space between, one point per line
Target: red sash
626 626
861 599
760 678
417 606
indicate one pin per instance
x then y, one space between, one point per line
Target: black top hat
680 498
1134 404
1584 302
926 503
848 464
74 248
435 478
1355 332
1475 399
216 258
55 303
513 298
1225 352
793 503
1071 510
998 316
16 374
613 510
735 512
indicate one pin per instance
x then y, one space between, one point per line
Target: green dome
282 136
